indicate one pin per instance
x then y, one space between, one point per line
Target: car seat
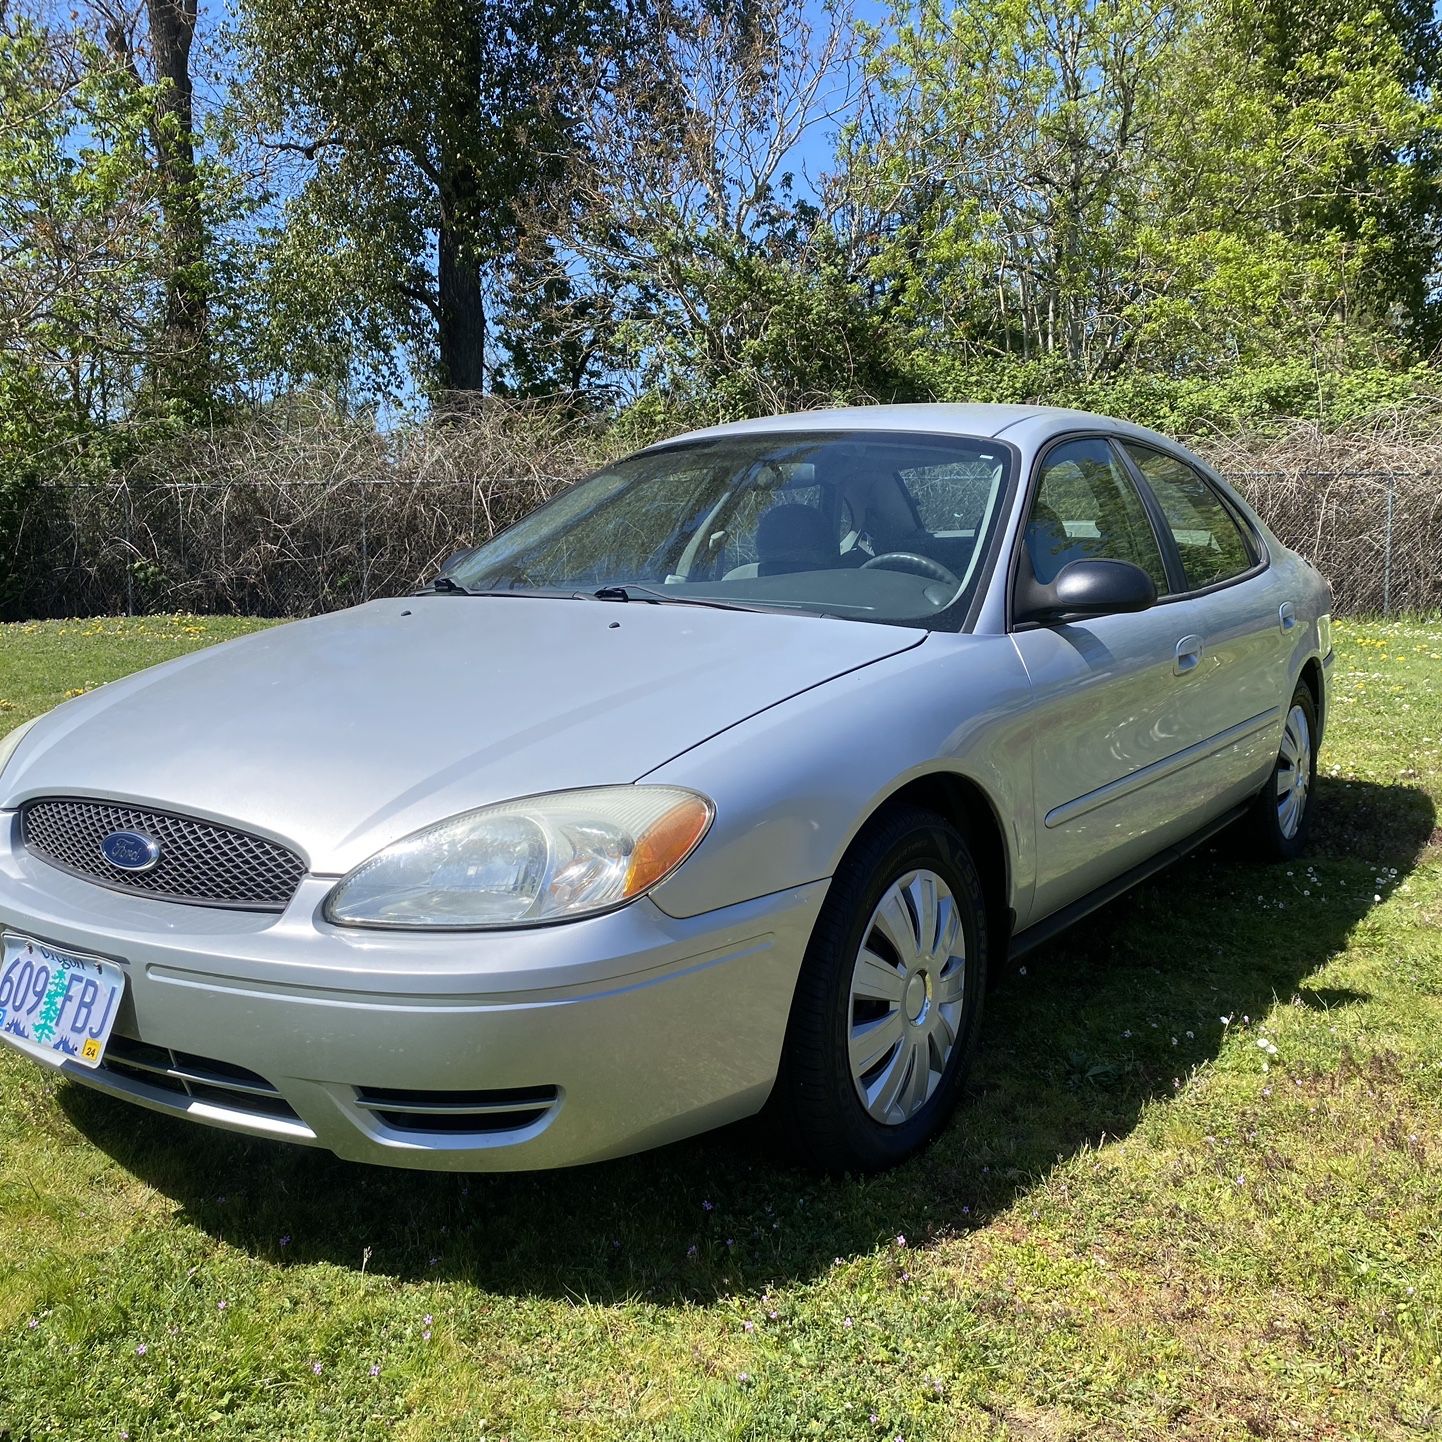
794 537
1048 546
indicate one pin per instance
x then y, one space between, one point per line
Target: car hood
338 735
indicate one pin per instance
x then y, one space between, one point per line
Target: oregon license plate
57 1005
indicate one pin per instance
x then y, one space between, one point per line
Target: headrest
791 529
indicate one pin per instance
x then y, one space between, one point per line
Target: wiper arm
649 593
655 596
443 585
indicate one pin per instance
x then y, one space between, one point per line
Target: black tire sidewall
1268 826
826 1112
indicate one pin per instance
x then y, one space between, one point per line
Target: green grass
44 662
1143 1223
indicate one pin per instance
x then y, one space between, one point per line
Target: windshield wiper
444 586
651 594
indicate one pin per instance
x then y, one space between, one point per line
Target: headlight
543 858
8 744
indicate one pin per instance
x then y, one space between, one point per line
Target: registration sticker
57 1005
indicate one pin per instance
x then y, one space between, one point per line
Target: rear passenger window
1212 545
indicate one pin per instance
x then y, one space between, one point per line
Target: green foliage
417 150
780 333
78 275
1205 216
1256 397
78 270
1141 187
553 334
1351 87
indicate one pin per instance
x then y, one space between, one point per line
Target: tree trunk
185 371
462 311
462 318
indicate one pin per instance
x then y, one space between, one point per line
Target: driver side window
1087 508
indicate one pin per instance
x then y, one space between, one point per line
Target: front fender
794 784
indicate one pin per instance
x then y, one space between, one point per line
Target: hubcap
1294 772
918 993
907 989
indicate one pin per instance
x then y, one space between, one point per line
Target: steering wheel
910 561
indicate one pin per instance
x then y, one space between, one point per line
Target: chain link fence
297 547
1375 535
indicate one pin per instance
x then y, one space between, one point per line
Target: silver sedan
717 783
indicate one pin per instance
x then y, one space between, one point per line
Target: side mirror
1086 588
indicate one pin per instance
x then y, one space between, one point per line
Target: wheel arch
961 801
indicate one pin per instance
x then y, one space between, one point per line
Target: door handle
1188 655
1287 615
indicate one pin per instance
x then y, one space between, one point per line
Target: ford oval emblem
131 850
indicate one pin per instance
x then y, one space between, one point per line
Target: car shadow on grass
1114 1015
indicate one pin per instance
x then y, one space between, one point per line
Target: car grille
200 863
451 1113
193 1078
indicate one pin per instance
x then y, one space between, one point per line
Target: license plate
57 1005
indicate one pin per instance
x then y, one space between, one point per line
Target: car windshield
874 526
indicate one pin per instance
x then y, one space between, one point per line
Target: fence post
1387 547
365 542
179 531
129 555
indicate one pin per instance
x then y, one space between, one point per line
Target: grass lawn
1196 1192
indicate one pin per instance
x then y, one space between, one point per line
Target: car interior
846 512
883 527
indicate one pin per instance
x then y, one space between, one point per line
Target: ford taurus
716 783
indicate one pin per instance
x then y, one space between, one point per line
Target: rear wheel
888 1005
1282 813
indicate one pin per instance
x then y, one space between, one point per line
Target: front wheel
888 1004
1282 813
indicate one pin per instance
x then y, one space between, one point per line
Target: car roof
1024 425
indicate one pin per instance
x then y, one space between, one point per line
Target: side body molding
1167 766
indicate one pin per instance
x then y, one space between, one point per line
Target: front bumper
466 1051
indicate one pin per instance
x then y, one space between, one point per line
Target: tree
78 244
682 224
1352 85
421 126
78 232
159 60
172 33
1002 160
1107 186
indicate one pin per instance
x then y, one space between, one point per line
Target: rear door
1242 618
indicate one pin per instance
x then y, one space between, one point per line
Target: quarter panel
794 785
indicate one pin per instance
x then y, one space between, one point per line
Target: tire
912 860
1281 815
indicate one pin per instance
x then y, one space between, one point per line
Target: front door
1114 730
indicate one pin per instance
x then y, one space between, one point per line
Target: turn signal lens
666 843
